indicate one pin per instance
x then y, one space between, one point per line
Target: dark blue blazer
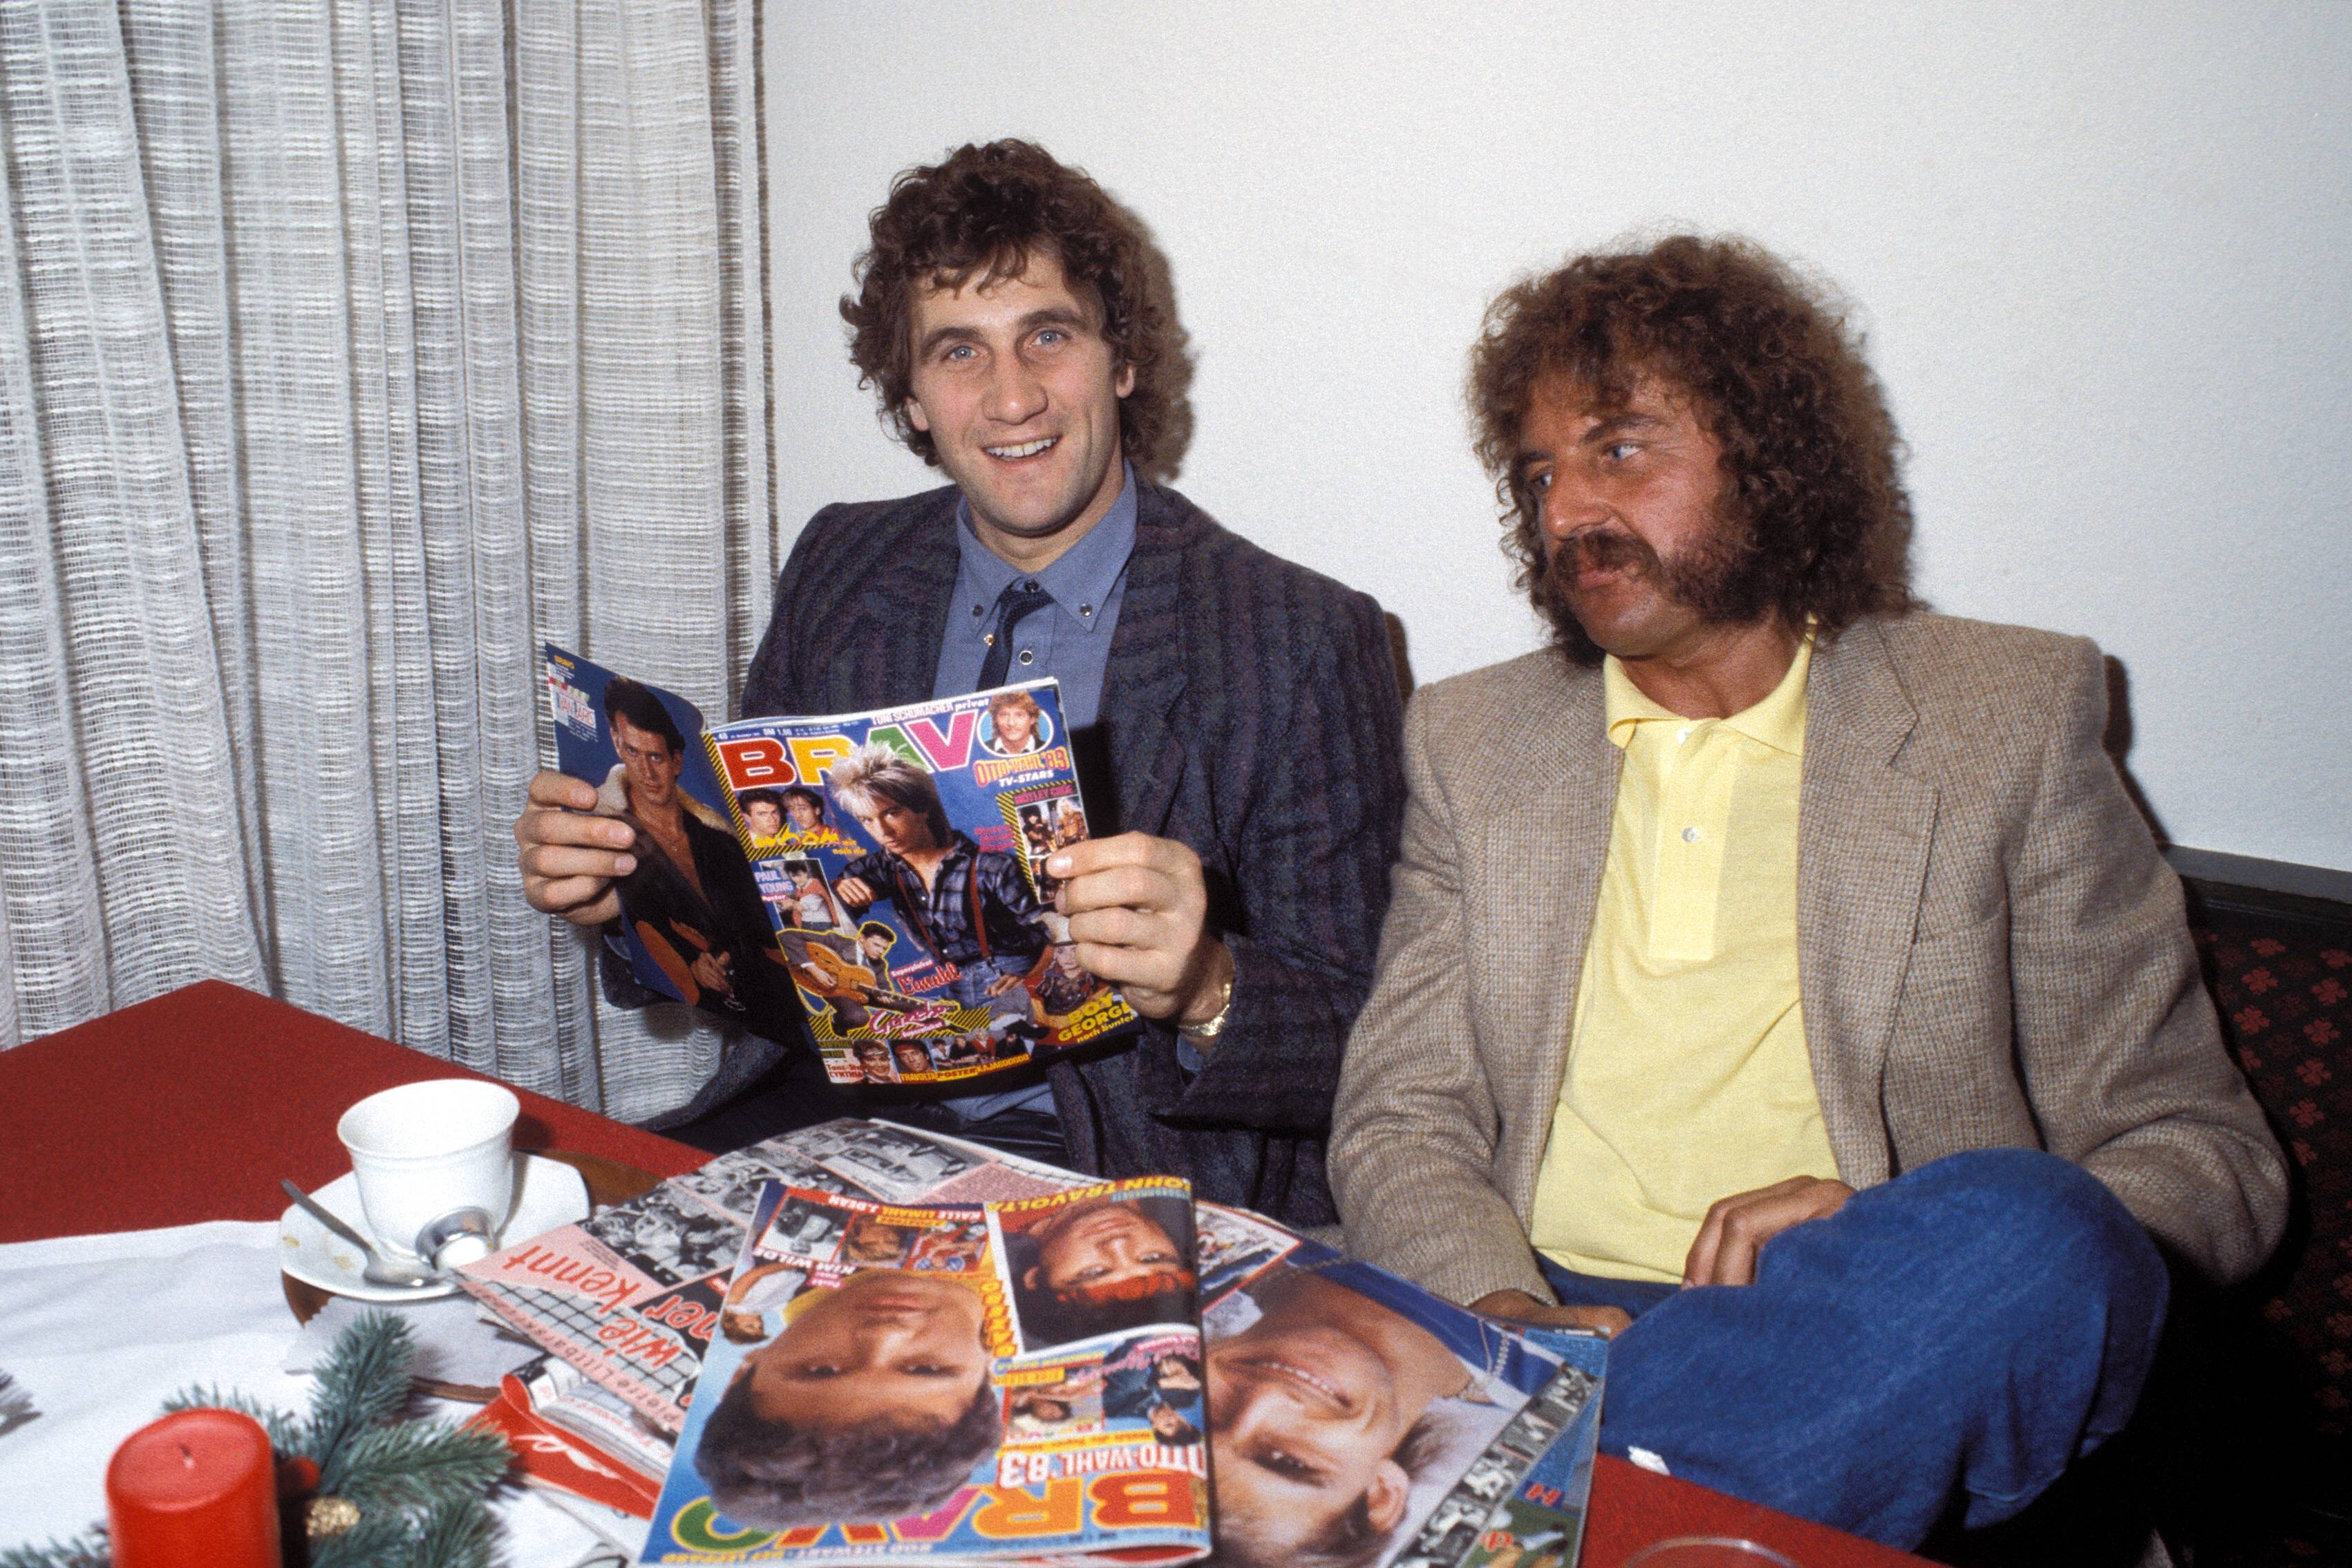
1249 711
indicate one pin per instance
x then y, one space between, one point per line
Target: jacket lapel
1561 826
1147 674
1862 835
891 653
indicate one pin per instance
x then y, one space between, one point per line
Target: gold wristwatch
1208 1029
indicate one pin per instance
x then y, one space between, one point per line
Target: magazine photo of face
1104 1263
873 1401
884 1395
1343 1405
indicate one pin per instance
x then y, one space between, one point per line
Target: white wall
2104 256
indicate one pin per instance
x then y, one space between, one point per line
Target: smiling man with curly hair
1232 716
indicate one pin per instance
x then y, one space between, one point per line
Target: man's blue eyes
1050 338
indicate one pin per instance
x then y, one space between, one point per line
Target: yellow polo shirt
1687 1079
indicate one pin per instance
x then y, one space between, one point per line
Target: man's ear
1384 1499
1031 1275
1123 384
913 409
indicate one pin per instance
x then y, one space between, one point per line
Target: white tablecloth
99 1330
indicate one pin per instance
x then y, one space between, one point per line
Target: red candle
196 1489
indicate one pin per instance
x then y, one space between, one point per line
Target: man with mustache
1232 716
1773 963
1013 720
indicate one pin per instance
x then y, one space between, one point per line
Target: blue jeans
969 987
1965 1331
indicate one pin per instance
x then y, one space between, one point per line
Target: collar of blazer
1862 835
891 653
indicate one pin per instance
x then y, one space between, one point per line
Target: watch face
1213 1026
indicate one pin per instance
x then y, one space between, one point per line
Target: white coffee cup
422 1149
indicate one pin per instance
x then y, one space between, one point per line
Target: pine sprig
363 1380
89 1551
459 1534
377 1541
419 1486
286 1433
421 1464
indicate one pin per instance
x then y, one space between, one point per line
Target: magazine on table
1522 1504
1016 1380
572 1437
1357 1417
881 875
1491 1470
631 1296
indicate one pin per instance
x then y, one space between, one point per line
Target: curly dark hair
775 1475
984 213
1810 458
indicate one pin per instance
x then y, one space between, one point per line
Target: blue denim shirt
1069 640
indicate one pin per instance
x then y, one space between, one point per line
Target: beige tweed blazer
1990 951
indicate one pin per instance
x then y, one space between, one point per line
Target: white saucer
548 1194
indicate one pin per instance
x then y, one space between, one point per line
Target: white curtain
347 351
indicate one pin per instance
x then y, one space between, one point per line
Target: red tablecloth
191 1107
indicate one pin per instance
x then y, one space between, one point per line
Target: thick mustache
1599 549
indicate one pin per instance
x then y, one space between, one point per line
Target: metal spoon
380 1270
460 1237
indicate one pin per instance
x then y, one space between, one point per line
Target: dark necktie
1019 600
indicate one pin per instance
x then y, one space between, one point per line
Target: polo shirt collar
1079 581
1778 721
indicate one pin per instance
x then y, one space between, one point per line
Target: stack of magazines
863 1343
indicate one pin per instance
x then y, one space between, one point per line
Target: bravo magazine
1357 1418
1013 1381
880 875
630 1296
1346 1416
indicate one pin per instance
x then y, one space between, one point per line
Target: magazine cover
902 854
880 876
1021 1380
1521 1503
1355 1418
693 923
631 1296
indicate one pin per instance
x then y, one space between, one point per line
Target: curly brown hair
984 212
1813 487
